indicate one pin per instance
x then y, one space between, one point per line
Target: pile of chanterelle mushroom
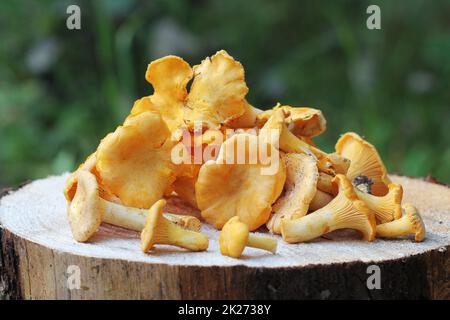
241 167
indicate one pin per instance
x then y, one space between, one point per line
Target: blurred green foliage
63 90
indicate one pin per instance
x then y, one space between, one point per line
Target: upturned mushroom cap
364 161
169 77
387 207
218 91
299 190
85 211
227 188
302 121
134 162
233 238
416 221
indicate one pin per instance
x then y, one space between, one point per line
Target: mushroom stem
134 218
410 223
309 227
260 242
396 228
191 240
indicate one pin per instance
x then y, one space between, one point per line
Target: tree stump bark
40 260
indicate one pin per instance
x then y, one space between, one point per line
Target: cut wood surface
37 249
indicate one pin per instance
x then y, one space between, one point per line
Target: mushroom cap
233 238
150 233
86 210
70 187
302 121
134 162
350 212
416 221
226 188
217 94
300 188
387 207
365 161
169 77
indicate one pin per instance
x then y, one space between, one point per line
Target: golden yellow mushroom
275 128
235 236
302 121
217 93
87 210
134 162
364 161
387 207
410 223
70 187
216 96
227 187
299 190
169 77
344 211
159 230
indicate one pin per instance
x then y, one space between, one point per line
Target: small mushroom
387 207
299 190
134 162
344 211
288 142
364 161
235 236
410 223
159 230
87 210
227 188
302 121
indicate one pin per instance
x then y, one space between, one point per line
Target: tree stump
39 259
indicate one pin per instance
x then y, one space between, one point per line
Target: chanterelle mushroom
216 96
134 162
387 207
288 142
410 223
302 121
300 188
87 210
235 236
159 230
344 211
226 188
70 187
364 161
